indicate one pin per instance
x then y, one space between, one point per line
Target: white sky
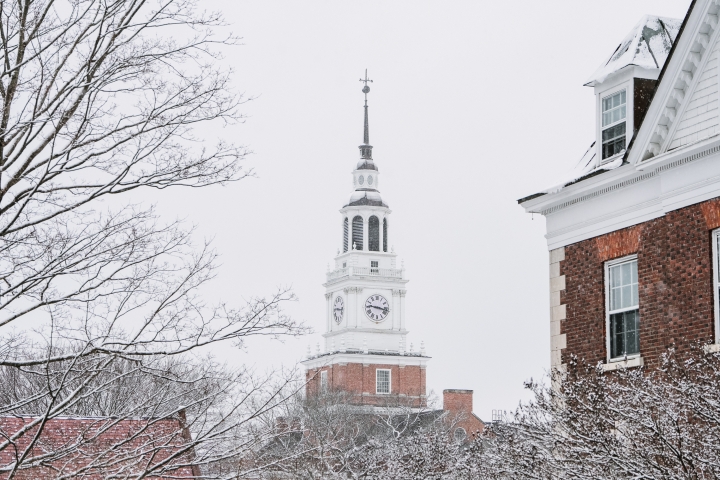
474 105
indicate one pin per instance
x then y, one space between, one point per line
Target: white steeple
366 290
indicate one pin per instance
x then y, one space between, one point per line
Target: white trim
628 87
612 263
389 372
365 359
689 90
323 381
716 282
681 50
630 362
631 195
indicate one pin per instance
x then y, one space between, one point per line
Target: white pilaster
328 311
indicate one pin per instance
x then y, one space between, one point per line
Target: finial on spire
366 89
365 148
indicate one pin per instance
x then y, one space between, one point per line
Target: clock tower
366 351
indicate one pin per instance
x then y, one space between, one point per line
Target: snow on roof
366 197
647 45
587 166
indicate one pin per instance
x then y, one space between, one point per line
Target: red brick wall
94 448
675 284
408 382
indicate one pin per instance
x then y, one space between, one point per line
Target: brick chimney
458 401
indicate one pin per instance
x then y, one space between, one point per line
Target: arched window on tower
374 231
345 235
357 232
385 234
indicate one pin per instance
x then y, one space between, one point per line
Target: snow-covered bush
635 423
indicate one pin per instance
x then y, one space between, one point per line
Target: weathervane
365 148
366 89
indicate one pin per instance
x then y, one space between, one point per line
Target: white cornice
623 176
630 195
365 359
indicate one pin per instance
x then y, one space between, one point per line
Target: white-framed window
623 308
614 128
382 381
716 280
323 381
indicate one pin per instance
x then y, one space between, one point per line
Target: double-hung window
382 381
374 270
623 308
614 112
323 381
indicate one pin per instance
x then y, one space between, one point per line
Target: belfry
366 351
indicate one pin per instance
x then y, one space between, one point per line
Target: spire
366 148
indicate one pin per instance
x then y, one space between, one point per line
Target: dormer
625 84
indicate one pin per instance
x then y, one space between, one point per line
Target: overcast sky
474 104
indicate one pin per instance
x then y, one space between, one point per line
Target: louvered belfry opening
357 232
345 235
385 234
374 232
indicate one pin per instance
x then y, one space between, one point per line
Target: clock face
338 309
377 308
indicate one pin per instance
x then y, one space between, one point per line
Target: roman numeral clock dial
338 309
377 308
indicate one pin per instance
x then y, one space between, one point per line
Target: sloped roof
96 448
365 196
647 45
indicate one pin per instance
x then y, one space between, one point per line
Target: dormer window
614 112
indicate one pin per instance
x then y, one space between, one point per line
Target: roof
96 448
365 196
366 164
647 45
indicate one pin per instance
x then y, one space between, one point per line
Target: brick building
633 233
366 351
94 448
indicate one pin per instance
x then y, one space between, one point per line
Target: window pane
617 344
633 328
614 277
626 296
625 335
625 273
622 96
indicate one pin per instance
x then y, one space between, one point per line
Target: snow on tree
633 423
100 314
